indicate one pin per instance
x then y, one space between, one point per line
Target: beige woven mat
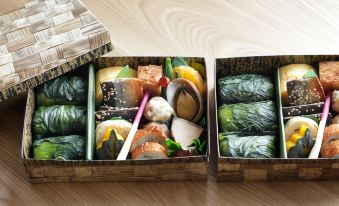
43 35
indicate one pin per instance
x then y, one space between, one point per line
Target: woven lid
46 39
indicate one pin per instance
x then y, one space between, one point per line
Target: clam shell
176 90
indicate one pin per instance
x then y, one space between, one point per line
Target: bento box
45 39
170 143
269 112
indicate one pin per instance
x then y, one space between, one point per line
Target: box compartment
277 169
40 171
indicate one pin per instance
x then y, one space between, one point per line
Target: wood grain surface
212 28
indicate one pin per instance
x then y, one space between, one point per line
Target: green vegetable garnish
179 61
168 69
199 68
200 147
116 118
310 74
172 147
313 117
202 122
125 72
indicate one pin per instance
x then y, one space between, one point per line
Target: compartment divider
282 143
90 133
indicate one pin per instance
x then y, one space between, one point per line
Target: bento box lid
45 39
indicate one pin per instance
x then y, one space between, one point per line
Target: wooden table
192 28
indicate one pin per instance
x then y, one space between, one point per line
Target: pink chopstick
126 147
317 145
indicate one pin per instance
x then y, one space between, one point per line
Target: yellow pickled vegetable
105 138
192 75
292 141
110 145
299 145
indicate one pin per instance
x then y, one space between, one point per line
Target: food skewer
317 145
125 149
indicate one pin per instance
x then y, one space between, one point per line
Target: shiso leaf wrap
59 120
245 88
65 90
251 117
59 148
254 146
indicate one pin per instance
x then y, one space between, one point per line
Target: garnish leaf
172 147
116 118
202 122
310 74
179 61
125 72
200 147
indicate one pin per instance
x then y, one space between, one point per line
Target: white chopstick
314 154
126 147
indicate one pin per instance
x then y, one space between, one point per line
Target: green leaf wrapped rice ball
59 148
251 117
59 120
245 88
65 90
235 145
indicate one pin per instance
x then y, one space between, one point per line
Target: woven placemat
45 39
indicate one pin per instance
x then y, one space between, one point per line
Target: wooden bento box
91 169
282 167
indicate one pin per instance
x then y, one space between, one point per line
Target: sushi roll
149 134
150 150
331 150
162 126
330 144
